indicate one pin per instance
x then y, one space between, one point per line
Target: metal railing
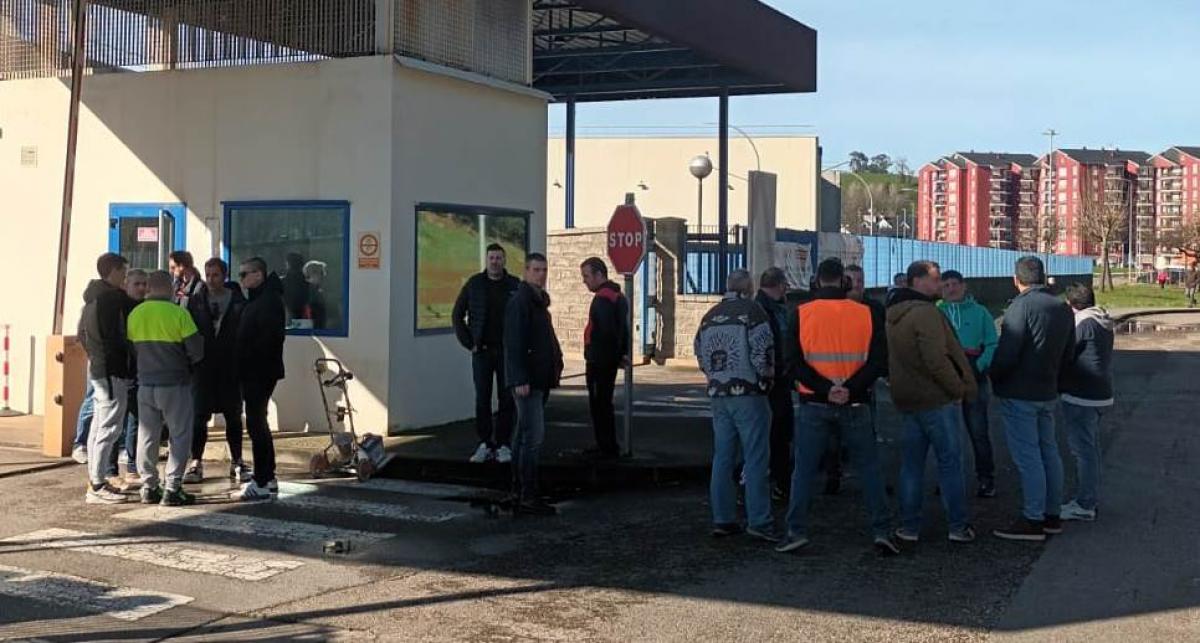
700 265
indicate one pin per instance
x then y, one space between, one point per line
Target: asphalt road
430 563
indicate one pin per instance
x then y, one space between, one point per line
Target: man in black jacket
1035 346
110 369
1087 394
605 349
772 296
533 364
217 308
259 351
479 325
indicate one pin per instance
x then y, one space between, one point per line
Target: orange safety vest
835 335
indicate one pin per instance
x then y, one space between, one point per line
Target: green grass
1141 296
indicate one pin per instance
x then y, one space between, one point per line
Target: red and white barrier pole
5 406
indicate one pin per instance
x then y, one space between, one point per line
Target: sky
924 78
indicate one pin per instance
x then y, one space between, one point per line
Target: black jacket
532 354
102 330
260 333
219 345
470 313
777 319
860 383
1089 380
606 336
1036 346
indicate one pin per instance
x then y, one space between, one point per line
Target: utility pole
1050 194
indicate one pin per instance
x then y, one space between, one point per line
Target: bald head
160 285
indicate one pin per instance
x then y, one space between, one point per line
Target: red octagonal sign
626 239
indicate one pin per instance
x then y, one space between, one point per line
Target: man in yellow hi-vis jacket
167 346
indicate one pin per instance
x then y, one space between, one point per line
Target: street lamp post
700 167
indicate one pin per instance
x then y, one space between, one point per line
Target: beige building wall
303 131
608 167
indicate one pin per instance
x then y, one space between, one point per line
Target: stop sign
626 239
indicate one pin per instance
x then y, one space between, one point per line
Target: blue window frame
307 243
126 220
451 245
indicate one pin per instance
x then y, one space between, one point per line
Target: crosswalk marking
408 487
254 526
160 553
305 496
124 603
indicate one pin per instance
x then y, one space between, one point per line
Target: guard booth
296 129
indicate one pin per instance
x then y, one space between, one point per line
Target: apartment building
972 198
1081 175
1170 201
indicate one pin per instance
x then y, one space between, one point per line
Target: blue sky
924 78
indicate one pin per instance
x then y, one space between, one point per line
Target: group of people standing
942 362
167 350
506 325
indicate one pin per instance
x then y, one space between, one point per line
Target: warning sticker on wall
369 248
147 235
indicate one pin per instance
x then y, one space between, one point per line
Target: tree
858 161
1185 240
880 163
902 167
1102 221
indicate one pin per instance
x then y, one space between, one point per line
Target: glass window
307 244
452 243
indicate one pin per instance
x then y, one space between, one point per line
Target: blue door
145 233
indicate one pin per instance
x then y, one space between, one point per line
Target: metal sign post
627 250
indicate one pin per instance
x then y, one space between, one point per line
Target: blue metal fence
701 274
882 257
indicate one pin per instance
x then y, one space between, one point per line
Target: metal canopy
603 50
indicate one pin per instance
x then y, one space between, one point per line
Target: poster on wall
847 247
796 261
368 251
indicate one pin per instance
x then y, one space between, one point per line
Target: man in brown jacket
929 377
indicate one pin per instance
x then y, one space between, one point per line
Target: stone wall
569 298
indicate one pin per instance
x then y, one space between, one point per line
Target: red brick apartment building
1014 201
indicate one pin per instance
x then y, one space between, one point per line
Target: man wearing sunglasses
259 350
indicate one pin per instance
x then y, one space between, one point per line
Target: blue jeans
975 414
938 428
1029 427
814 424
86 411
527 442
1083 437
741 423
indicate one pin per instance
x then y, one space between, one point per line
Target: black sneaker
887 546
725 529
987 489
177 498
765 534
1022 529
536 508
151 495
1052 525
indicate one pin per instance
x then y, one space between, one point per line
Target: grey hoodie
1088 379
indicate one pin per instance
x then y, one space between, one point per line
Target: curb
1147 313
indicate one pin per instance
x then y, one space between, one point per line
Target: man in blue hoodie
1087 393
976 332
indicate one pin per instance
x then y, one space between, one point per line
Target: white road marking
305 496
407 487
124 603
254 526
162 554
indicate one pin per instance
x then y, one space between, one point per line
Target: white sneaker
105 495
251 492
79 454
504 455
273 486
482 454
194 473
1072 511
